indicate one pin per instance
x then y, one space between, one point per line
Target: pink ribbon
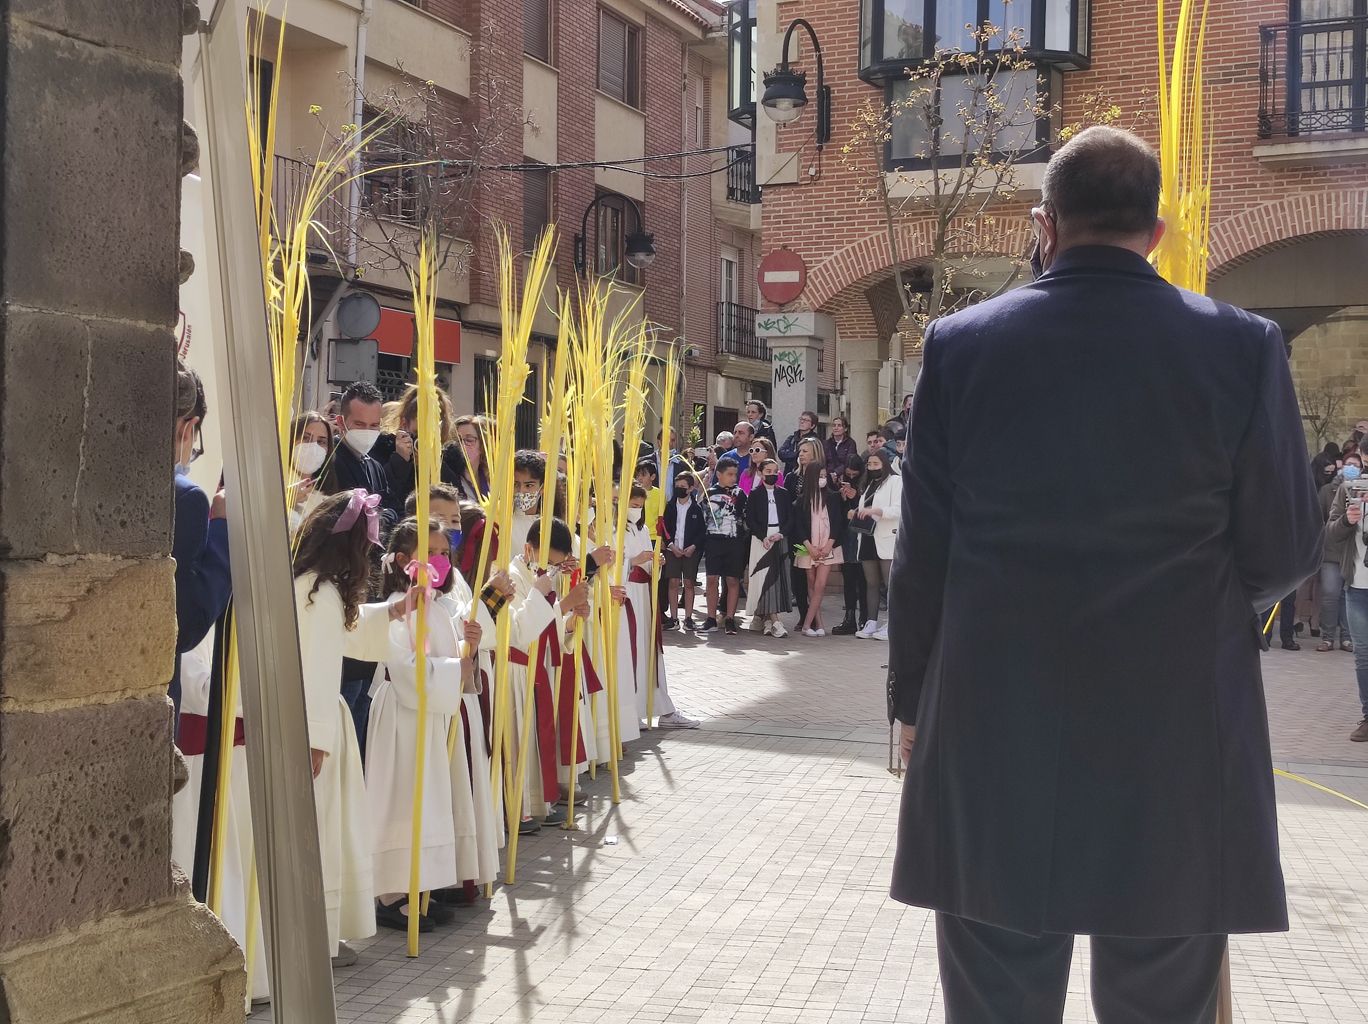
361 502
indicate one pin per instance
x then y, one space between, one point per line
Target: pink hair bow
438 568
361 502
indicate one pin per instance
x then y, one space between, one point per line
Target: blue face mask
454 538
1352 472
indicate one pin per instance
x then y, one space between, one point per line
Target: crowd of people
355 550
1332 606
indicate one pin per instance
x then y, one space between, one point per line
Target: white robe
391 760
344 832
532 615
644 608
238 854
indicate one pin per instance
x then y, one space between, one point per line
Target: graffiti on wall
788 368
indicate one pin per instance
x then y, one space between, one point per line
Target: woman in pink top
761 448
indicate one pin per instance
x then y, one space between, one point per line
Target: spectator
470 431
756 414
199 539
1347 528
810 453
646 477
399 432
726 547
312 463
819 526
760 449
875 518
769 518
850 485
686 533
840 446
788 451
879 441
358 425
742 437
1334 622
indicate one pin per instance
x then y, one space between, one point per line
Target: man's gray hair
1103 182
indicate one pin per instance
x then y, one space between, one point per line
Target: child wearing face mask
770 519
686 533
392 748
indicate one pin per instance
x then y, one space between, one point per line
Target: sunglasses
756 451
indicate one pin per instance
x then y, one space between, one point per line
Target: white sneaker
677 720
813 632
769 626
868 630
819 632
777 629
881 633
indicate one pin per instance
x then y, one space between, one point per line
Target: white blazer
888 498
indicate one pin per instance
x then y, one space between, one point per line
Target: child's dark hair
725 464
687 475
637 492
442 492
342 559
646 466
403 540
561 539
531 462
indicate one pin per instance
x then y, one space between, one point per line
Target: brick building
1287 104
543 83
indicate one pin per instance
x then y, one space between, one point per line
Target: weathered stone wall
1334 354
92 924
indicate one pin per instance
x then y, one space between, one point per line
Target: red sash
194 734
632 637
544 709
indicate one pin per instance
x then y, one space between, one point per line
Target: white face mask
309 457
634 516
822 480
361 441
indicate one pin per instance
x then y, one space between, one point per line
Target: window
392 192
487 387
615 221
619 73
537 29
536 203
960 106
741 63
698 112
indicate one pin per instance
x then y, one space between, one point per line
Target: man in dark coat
1102 767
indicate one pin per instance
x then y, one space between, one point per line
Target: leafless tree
1322 407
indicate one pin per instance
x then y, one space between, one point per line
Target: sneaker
1347 646
671 623
867 630
730 628
709 626
813 632
528 827
1325 645
758 625
346 956
581 798
690 625
846 628
777 630
555 816
1360 735
1291 645
769 628
677 720
881 633
819 631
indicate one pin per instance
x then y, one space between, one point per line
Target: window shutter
613 56
536 205
537 29
632 89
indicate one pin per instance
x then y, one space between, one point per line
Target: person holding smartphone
1346 528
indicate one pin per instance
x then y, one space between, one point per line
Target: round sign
781 275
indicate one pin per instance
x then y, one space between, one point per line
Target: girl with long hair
819 526
470 434
311 461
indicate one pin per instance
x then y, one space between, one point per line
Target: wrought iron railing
741 186
736 332
1312 77
288 186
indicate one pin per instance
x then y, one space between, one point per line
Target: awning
395 335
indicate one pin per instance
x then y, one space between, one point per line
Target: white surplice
638 542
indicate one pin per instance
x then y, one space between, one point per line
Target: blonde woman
470 432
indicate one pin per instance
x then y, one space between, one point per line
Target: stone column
796 341
93 926
862 388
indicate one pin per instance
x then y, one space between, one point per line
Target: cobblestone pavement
744 876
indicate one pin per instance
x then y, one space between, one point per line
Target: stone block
150 28
172 963
91 178
85 815
98 629
86 408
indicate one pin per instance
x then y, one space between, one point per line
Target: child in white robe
332 570
629 726
392 736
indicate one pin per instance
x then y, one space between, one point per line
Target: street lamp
786 89
639 244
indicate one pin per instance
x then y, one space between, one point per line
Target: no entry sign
782 275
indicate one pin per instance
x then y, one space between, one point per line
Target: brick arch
1282 222
869 258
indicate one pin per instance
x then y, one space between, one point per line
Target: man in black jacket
1074 776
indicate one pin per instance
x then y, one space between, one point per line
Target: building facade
1289 142
606 119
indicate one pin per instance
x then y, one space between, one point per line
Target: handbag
863 527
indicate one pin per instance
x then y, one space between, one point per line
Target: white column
862 388
796 341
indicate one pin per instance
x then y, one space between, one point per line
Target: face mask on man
361 441
681 493
526 501
771 479
309 457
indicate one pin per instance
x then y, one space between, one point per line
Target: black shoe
554 816
690 625
1291 645
846 628
709 626
671 623
730 628
453 897
528 828
392 915
440 914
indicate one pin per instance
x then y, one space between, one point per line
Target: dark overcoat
1073 616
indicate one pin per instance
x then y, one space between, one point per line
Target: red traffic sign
782 276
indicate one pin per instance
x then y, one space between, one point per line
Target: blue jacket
203 582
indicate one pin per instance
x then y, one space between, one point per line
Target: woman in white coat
874 520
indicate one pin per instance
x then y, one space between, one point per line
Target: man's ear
1159 228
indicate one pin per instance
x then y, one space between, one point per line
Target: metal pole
286 833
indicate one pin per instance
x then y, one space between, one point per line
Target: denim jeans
1332 620
1356 601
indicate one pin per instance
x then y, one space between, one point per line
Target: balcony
736 333
288 186
741 186
1312 79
